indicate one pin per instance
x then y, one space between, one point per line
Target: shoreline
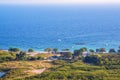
42 51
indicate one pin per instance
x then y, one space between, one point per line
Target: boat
79 43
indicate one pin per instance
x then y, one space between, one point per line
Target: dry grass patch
44 55
22 69
21 64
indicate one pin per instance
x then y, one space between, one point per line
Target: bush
93 59
13 49
40 58
30 50
6 56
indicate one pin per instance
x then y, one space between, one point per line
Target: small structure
53 58
64 54
84 54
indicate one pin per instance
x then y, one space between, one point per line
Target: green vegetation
32 58
30 50
48 50
112 50
21 69
102 50
95 66
72 70
78 53
13 49
98 67
21 56
103 59
67 55
92 59
91 50
119 49
46 55
55 50
5 56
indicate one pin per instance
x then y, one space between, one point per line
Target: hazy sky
59 1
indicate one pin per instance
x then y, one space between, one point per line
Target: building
84 54
53 58
66 54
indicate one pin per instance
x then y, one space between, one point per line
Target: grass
63 70
45 55
21 64
22 69
59 69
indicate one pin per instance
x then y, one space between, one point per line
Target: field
92 67
77 70
21 69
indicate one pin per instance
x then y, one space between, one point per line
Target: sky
82 2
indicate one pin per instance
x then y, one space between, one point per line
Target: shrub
30 50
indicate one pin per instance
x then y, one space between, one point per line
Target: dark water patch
2 74
40 28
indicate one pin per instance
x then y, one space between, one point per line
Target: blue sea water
59 27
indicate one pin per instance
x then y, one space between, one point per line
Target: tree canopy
13 49
30 50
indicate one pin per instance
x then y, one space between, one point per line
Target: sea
61 27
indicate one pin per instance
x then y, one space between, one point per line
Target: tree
40 58
48 49
91 50
16 49
97 50
68 55
32 58
30 50
102 50
13 49
94 59
10 49
55 50
112 51
79 52
21 55
119 49
83 49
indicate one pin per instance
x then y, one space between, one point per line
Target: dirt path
35 71
39 71
33 53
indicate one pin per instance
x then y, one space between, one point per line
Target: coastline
36 51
